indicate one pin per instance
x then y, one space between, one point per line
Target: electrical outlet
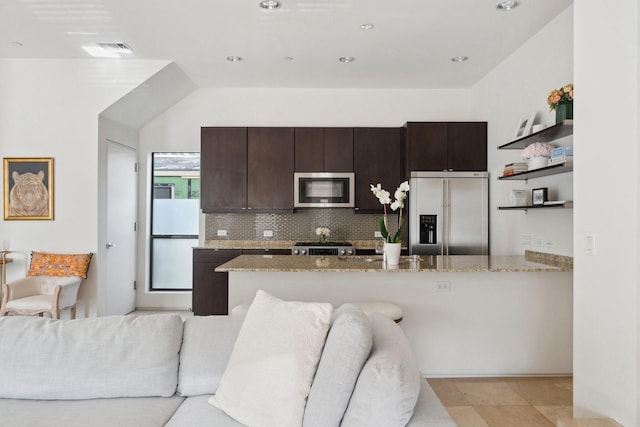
539 242
377 234
590 244
222 233
267 233
526 239
442 286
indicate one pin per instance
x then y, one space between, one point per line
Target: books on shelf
562 151
513 168
561 155
567 160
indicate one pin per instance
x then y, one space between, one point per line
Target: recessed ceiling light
366 26
507 5
459 58
233 58
346 59
270 4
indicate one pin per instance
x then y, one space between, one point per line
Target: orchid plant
385 199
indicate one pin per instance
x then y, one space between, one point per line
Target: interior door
121 229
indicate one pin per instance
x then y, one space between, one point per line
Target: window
175 207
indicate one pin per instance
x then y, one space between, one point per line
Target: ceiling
297 46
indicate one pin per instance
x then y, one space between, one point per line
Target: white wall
179 129
607 188
517 87
50 108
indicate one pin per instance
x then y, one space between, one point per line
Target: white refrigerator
449 213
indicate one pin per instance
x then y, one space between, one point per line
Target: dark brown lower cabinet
210 293
210 289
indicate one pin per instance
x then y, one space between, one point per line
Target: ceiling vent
116 47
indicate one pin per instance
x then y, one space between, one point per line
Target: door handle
111 245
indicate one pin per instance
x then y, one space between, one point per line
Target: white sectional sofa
157 370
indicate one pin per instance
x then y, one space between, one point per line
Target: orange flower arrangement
559 96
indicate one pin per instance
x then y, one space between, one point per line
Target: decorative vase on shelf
392 253
564 111
537 162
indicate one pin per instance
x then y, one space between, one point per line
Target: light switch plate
377 234
222 233
267 233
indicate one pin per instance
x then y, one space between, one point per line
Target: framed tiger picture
28 188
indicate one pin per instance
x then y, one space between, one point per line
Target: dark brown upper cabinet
323 149
270 163
443 146
223 169
377 158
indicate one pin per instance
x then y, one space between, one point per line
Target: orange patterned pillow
43 264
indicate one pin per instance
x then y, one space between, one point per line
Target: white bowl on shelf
537 163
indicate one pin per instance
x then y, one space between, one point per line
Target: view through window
175 208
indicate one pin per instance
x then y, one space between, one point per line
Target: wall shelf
537 173
566 205
545 135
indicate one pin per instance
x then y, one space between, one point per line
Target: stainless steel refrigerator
449 213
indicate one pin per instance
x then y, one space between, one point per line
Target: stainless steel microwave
323 189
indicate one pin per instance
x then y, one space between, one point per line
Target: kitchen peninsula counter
423 263
464 315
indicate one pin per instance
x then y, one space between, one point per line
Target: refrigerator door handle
443 226
447 213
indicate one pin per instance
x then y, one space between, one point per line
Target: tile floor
506 402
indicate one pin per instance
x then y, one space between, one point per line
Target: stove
326 248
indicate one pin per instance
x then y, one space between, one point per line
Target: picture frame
539 196
524 125
28 185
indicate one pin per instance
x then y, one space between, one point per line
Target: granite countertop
426 263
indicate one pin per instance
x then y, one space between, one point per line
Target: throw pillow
389 384
347 348
43 264
273 362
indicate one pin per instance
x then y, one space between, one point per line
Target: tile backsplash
301 225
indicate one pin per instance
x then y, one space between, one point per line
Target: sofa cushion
120 412
195 411
271 368
347 347
206 347
389 384
113 356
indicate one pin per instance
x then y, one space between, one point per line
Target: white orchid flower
404 187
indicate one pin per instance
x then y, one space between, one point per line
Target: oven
328 248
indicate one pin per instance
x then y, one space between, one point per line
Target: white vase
537 163
392 253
